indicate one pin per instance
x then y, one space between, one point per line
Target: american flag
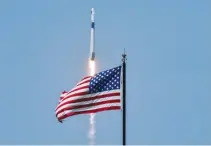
92 94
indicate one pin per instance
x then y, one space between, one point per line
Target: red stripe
83 87
88 105
90 111
76 94
86 77
90 98
83 82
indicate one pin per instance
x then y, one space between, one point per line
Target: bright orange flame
92 67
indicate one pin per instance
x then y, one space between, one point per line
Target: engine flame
92 67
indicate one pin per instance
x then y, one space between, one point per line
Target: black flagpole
124 100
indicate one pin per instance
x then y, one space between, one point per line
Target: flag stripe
82 99
63 94
94 97
82 82
88 105
89 111
87 102
85 92
71 94
90 95
76 94
79 88
84 79
89 108
85 84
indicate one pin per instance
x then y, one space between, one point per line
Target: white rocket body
92 36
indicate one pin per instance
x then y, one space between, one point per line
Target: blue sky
44 48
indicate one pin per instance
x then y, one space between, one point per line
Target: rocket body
92 36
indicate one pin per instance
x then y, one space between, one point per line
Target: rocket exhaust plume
92 72
92 67
92 115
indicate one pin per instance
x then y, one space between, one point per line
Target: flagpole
124 100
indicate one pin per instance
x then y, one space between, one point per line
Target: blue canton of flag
106 80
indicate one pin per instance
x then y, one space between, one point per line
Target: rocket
92 36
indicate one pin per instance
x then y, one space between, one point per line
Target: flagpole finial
124 57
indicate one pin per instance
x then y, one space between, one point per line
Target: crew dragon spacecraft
92 37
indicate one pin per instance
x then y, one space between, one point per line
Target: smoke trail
92 115
92 129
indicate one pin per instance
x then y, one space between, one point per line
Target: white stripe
63 95
83 81
89 108
82 85
67 97
70 92
77 91
87 102
88 96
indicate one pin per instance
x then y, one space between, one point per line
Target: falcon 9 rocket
92 36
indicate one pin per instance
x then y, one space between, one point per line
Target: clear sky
44 49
